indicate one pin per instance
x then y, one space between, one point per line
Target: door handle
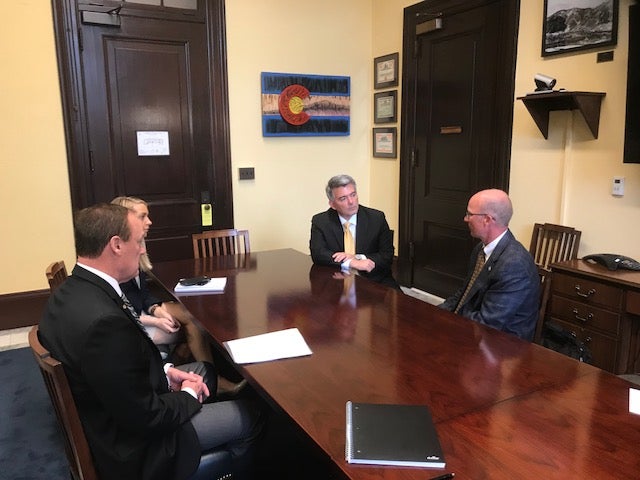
450 130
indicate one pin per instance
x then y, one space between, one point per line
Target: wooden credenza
602 308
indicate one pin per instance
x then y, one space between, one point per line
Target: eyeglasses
469 214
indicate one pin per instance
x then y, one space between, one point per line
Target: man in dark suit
143 419
369 241
502 287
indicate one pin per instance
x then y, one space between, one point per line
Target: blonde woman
167 323
159 321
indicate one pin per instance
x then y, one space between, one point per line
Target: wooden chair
56 274
545 290
553 243
214 464
75 443
220 242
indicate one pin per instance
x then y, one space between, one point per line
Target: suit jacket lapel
502 245
88 276
336 228
486 271
362 228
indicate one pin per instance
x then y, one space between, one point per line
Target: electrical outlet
246 173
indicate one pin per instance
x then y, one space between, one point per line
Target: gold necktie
476 271
349 244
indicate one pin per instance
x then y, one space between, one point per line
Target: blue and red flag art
305 105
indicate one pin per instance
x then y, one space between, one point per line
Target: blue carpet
31 445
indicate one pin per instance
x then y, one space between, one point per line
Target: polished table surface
503 408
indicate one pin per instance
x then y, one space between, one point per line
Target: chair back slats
552 243
220 242
76 446
56 274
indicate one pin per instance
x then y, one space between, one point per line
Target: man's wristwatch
152 308
360 256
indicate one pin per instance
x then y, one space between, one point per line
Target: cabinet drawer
602 348
584 315
587 291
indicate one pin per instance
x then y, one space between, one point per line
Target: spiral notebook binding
349 439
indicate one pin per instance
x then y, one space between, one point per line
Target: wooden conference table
503 408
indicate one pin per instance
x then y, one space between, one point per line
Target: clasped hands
162 319
364 265
179 379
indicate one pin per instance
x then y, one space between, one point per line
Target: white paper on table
634 401
214 285
268 346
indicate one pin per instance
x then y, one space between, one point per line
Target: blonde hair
129 202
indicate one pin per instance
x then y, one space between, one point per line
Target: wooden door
146 112
458 74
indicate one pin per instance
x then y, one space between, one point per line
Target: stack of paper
268 346
214 285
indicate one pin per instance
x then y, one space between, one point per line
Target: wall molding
22 309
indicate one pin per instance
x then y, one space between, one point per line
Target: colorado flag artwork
299 104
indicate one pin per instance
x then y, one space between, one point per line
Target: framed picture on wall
576 25
385 71
385 107
384 142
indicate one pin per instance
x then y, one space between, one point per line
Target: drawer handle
585 295
582 319
575 335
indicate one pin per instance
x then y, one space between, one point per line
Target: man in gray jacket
502 287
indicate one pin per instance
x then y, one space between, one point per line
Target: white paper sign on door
153 144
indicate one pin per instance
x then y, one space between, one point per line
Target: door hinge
80 41
411 251
92 167
413 158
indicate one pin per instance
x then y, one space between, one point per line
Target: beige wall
34 184
565 179
332 37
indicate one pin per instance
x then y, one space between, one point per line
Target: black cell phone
187 282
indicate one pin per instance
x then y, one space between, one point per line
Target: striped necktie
127 306
476 271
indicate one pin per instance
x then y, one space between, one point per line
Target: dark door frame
416 15
66 15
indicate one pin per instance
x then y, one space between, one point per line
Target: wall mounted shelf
587 103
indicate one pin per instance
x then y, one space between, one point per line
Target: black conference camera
544 83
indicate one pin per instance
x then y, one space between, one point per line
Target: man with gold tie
351 235
502 287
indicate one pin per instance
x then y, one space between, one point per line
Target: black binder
400 435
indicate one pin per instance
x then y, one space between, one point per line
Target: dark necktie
127 306
476 271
